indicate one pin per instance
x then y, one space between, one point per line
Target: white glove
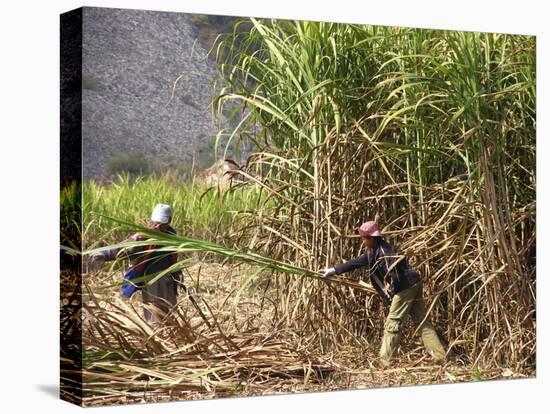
327 272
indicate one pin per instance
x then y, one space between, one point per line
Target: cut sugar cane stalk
177 244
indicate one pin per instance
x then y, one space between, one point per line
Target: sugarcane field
363 215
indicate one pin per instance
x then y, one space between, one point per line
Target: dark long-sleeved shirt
383 265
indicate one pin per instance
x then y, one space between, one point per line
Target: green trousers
409 301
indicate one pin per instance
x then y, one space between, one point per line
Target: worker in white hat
160 296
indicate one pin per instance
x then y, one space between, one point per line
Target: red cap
369 228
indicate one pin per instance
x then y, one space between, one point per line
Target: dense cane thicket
432 133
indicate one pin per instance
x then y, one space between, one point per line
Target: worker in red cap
399 286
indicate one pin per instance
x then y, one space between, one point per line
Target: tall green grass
70 216
198 211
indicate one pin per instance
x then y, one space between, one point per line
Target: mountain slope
131 59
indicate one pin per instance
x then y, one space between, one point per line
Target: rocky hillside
131 61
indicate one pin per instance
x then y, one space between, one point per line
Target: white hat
162 213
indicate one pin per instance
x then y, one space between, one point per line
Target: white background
29 156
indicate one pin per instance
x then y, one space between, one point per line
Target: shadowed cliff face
131 59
